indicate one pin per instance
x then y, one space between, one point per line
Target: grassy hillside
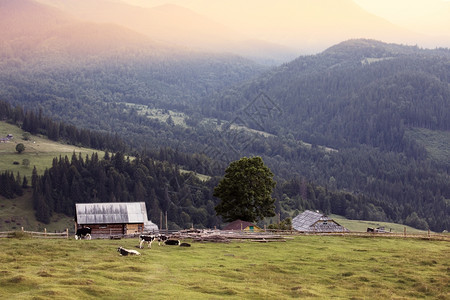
360 225
307 267
38 150
18 212
435 142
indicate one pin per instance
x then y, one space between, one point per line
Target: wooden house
113 219
242 225
310 221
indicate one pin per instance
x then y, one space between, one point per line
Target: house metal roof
111 213
239 225
314 221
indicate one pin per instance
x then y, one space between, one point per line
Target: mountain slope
358 98
66 50
176 25
361 98
354 84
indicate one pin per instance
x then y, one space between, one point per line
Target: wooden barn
113 219
310 221
242 225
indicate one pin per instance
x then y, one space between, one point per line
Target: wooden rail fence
36 234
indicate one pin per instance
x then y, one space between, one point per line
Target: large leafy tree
245 191
20 148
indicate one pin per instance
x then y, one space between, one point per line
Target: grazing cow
83 232
126 252
185 245
162 238
172 242
146 238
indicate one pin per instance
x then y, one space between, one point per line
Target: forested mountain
338 129
361 98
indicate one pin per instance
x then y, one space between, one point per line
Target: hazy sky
425 16
274 20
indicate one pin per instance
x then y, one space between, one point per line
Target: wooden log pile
212 238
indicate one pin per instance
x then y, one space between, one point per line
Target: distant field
17 213
305 267
435 142
39 151
361 225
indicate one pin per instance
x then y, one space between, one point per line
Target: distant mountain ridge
175 25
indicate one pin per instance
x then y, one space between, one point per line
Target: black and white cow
83 232
126 252
146 238
162 238
172 242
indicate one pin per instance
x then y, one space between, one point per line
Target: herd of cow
143 238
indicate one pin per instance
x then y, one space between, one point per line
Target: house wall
252 229
114 229
134 228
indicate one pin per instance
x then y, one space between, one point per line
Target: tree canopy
20 148
245 191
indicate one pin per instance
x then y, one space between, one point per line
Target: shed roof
111 213
239 225
308 221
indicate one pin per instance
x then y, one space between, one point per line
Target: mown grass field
307 267
362 225
38 150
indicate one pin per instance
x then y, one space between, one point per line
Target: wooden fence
36 234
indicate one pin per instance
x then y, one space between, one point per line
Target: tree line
37 123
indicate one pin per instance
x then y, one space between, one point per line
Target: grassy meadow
38 150
307 267
18 212
362 225
435 142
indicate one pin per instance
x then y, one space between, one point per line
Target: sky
426 16
418 22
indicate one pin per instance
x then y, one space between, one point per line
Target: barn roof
314 221
111 213
239 225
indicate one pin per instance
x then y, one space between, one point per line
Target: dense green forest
332 127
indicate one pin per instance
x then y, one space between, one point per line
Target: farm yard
307 267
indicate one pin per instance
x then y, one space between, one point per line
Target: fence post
67 233
429 233
22 228
404 231
45 231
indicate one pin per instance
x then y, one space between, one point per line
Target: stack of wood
212 238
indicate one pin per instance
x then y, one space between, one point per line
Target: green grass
435 142
17 213
38 150
361 225
307 267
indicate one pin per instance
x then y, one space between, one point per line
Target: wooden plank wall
115 229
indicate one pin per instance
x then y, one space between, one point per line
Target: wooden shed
310 221
242 225
112 219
